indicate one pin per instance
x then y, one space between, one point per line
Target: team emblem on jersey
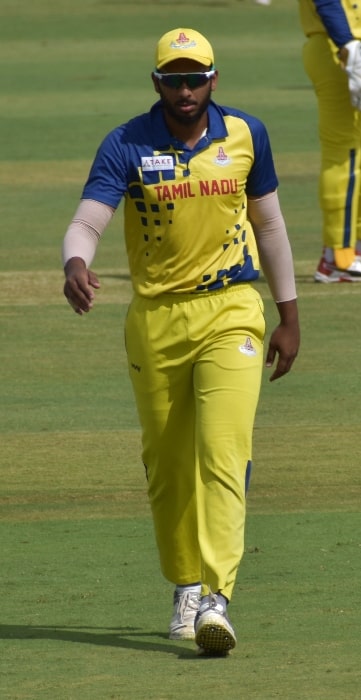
247 348
221 157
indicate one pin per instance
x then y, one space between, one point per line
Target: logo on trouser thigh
247 348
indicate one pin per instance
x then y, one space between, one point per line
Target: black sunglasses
192 80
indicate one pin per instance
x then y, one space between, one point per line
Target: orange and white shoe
328 272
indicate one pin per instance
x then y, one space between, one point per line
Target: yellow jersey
185 210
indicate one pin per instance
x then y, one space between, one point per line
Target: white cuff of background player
273 245
82 237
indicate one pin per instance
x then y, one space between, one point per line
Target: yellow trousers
340 139
195 362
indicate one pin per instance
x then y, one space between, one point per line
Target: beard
189 118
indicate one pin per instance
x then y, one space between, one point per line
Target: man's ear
214 81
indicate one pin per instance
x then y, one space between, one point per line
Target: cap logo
183 42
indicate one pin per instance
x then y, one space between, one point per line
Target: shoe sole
214 639
328 279
336 276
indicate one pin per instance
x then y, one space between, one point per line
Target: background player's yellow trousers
340 139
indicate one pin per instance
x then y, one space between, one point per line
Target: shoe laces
212 602
186 601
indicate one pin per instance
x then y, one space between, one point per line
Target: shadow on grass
111 636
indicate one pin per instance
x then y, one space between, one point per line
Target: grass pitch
84 609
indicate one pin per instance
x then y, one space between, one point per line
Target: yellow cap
183 43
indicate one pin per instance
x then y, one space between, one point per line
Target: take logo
152 163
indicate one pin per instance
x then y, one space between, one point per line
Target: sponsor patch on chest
154 163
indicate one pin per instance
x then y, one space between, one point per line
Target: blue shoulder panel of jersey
112 166
119 156
262 177
335 21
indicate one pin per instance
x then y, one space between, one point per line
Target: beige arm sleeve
273 246
82 237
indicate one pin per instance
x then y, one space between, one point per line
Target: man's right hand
79 285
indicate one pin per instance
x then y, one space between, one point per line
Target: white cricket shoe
186 606
328 272
215 635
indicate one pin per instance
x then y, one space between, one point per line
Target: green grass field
84 609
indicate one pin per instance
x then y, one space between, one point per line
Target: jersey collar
162 138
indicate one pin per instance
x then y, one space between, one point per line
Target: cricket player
201 208
332 60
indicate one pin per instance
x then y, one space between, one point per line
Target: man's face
185 104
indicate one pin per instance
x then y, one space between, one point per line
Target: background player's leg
340 139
